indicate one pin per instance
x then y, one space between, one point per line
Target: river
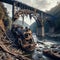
38 54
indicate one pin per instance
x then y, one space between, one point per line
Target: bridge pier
42 23
13 10
40 30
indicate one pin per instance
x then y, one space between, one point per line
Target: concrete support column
13 10
42 23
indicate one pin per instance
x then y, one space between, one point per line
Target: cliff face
2 25
7 51
56 12
3 15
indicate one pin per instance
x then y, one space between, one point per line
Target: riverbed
41 44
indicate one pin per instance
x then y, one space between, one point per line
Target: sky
41 4
44 5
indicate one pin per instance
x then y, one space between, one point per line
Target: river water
38 55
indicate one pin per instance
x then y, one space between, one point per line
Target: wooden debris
10 52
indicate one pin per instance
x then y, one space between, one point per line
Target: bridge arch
25 9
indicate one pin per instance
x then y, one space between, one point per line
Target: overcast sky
44 5
41 4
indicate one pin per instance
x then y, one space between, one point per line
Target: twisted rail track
5 46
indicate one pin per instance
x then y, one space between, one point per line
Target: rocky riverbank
7 52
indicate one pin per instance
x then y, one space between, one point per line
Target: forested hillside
4 15
56 12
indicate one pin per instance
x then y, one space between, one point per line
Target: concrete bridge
40 16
